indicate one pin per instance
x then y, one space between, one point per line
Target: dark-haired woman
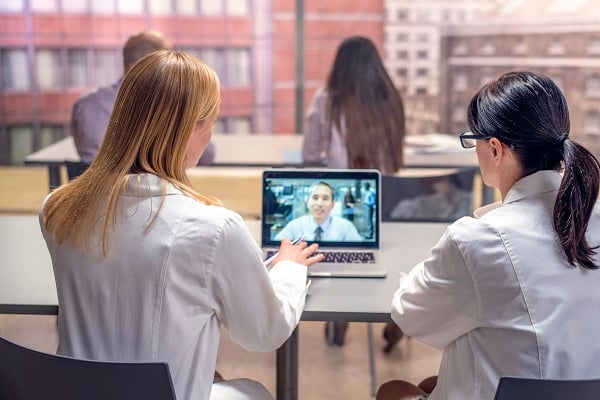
356 121
515 292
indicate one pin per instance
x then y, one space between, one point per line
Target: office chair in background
541 389
75 168
27 374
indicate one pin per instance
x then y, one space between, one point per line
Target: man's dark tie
318 232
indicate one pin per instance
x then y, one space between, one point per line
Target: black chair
412 198
541 389
75 168
27 374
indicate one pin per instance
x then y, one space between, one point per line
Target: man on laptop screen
319 224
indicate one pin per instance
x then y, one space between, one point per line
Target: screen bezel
323 174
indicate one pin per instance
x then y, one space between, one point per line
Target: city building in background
413 32
53 51
560 39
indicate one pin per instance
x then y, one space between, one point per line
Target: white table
27 283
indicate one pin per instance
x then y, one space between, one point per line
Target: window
44 6
422 72
460 82
239 125
215 58
488 49
555 48
521 48
402 37
460 49
402 15
184 7
160 7
103 6
485 79
20 140
594 45
211 7
236 7
402 72
48 69
50 134
458 114
12 5
422 37
14 69
131 6
422 54
592 86
591 123
238 67
421 91
105 67
74 6
402 54
77 73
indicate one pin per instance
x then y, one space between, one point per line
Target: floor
325 372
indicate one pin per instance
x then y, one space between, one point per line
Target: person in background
320 224
515 292
146 268
348 206
356 121
91 112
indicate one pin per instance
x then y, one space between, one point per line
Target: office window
460 82
402 54
185 7
219 126
14 69
12 5
555 48
212 7
160 7
594 45
459 113
105 67
48 69
422 72
238 67
103 6
20 138
215 58
43 6
592 86
422 54
74 6
402 37
402 15
521 48
50 134
488 49
422 37
237 7
421 91
460 49
78 71
485 79
239 125
131 6
591 123
402 72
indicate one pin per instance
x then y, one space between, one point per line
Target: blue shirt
335 229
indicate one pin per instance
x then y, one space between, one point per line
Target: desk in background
263 150
27 283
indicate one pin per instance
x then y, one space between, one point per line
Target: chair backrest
27 374
75 168
540 389
432 197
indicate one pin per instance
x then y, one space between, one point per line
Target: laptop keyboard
342 257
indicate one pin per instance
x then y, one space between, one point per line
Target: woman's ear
497 150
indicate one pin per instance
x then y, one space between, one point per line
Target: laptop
339 209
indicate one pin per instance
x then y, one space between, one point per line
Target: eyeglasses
468 138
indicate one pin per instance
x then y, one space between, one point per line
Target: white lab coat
500 299
163 294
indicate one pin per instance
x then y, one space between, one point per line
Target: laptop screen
336 208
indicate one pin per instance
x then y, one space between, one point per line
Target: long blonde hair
160 101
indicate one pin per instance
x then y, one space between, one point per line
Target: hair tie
561 140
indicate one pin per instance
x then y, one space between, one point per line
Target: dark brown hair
361 92
528 111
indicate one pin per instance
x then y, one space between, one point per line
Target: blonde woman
146 268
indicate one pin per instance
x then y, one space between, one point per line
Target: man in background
91 112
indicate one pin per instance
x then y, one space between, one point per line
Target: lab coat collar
537 183
147 185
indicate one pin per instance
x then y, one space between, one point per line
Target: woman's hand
300 253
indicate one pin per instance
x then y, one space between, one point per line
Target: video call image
333 210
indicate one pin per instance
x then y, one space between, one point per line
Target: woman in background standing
356 121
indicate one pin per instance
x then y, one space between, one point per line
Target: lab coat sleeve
315 137
260 308
437 301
